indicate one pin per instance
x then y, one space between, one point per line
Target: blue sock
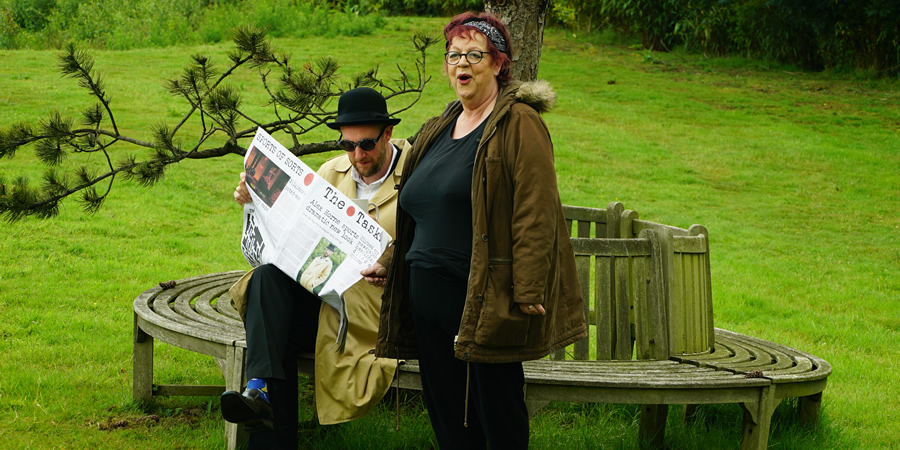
260 385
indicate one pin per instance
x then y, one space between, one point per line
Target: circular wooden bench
647 294
197 314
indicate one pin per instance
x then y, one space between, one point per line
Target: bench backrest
646 285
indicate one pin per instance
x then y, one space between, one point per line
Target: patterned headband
492 33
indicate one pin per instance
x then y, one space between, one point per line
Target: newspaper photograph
306 227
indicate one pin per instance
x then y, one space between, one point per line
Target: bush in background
816 35
31 15
9 29
125 24
290 18
576 15
429 8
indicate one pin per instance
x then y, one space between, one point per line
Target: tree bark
524 20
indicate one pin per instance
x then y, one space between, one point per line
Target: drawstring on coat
397 389
466 413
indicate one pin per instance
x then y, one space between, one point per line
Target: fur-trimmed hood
538 94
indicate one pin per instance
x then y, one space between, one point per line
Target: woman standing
482 273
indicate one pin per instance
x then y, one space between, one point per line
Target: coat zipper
482 147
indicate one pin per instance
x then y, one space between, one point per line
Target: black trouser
497 415
282 320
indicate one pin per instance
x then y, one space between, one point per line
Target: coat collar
537 94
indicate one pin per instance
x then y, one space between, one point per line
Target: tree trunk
524 20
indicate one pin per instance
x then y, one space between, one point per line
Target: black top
438 197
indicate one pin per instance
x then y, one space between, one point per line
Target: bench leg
652 428
235 374
809 409
142 365
533 405
232 440
758 420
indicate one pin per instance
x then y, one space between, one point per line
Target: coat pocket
501 323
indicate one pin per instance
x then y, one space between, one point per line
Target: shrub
124 24
703 25
31 15
653 21
9 29
576 15
426 7
785 30
862 34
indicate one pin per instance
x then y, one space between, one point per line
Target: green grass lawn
796 176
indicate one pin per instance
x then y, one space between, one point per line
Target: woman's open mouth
464 78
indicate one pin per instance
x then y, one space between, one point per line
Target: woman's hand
532 309
241 194
375 274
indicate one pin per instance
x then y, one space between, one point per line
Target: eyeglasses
367 144
473 57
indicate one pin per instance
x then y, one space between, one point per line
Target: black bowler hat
362 106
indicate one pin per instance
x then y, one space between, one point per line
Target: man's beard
376 165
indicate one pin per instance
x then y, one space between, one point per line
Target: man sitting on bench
283 319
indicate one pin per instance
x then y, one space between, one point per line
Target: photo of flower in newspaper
318 267
264 177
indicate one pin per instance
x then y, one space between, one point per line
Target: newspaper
305 226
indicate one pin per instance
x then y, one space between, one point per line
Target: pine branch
17 136
300 103
79 64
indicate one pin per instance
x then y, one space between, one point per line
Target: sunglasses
367 144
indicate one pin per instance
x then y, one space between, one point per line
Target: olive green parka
521 251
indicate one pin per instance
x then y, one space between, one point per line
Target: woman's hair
457 28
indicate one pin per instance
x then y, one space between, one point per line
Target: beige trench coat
350 384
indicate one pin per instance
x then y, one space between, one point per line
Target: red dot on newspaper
350 211
308 179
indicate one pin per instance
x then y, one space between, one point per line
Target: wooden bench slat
604 311
583 266
173 304
191 303
818 368
621 271
622 248
153 306
225 306
584 214
624 373
689 244
205 307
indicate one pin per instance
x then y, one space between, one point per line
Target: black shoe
248 408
